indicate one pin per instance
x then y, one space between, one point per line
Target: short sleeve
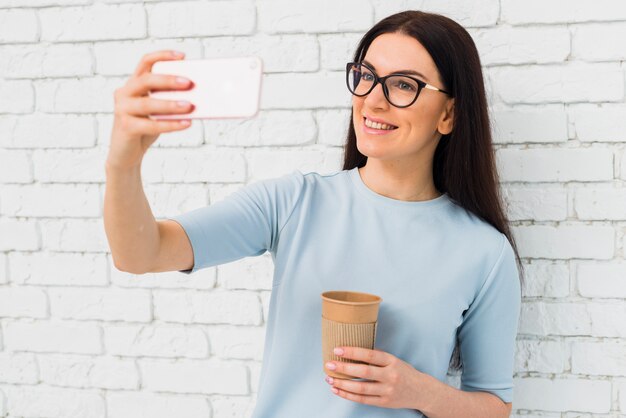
246 223
489 328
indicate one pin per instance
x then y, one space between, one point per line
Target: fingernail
338 351
181 80
331 366
182 103
177 54
330 380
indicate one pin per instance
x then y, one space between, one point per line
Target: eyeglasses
400 90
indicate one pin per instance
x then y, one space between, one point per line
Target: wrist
428 389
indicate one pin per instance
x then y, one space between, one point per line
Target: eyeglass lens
401 90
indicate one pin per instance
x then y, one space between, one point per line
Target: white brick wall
78 338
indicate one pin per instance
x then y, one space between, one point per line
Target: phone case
224 87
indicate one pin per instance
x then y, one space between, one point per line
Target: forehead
391 52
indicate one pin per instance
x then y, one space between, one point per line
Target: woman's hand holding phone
133 131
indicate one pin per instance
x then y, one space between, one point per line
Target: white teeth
377 125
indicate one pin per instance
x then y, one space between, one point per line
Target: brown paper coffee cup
348 319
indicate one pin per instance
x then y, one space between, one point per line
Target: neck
399 181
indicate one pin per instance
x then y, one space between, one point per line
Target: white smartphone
224 87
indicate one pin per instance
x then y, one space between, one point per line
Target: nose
376 98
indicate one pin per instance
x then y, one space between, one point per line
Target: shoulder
480 240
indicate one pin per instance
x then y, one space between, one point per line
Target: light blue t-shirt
438 268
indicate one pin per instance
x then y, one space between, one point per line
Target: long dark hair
464 162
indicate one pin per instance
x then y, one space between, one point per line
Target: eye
367 77
405 86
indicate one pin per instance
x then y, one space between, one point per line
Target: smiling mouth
379 129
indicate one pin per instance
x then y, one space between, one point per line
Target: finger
140 86
364 371
147 126
376 357
147 106
365 399
148 60
357 387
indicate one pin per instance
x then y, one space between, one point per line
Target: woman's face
419 126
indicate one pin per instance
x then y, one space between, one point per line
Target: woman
414 216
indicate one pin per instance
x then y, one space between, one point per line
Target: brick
104 304
37 61
542 356
215 307
560 11
59 95
23 302
606 358
558 165
535 393
541 203
73 235
4 273
155 341
337 49
122 57
263 164
464 13
232 406
255 375
70 166
41 401
621 387
566 241
58 269
194 376
18 368
198 18
578 82
88 372
18 26
47 131
98 22
281 16
594 123
18 235
607 319
314 90
52 336
333 126
15 167
601 280
186 138
539 124
203 279
546 279
15 97
206 164
600 203
527 45
251 273
171 199
50 200
595 42
153 405
228 342
275 128
566 319
283 53
41 3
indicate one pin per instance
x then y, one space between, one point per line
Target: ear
446 122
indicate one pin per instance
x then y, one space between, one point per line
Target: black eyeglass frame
421 84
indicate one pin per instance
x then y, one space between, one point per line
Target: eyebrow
399 71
